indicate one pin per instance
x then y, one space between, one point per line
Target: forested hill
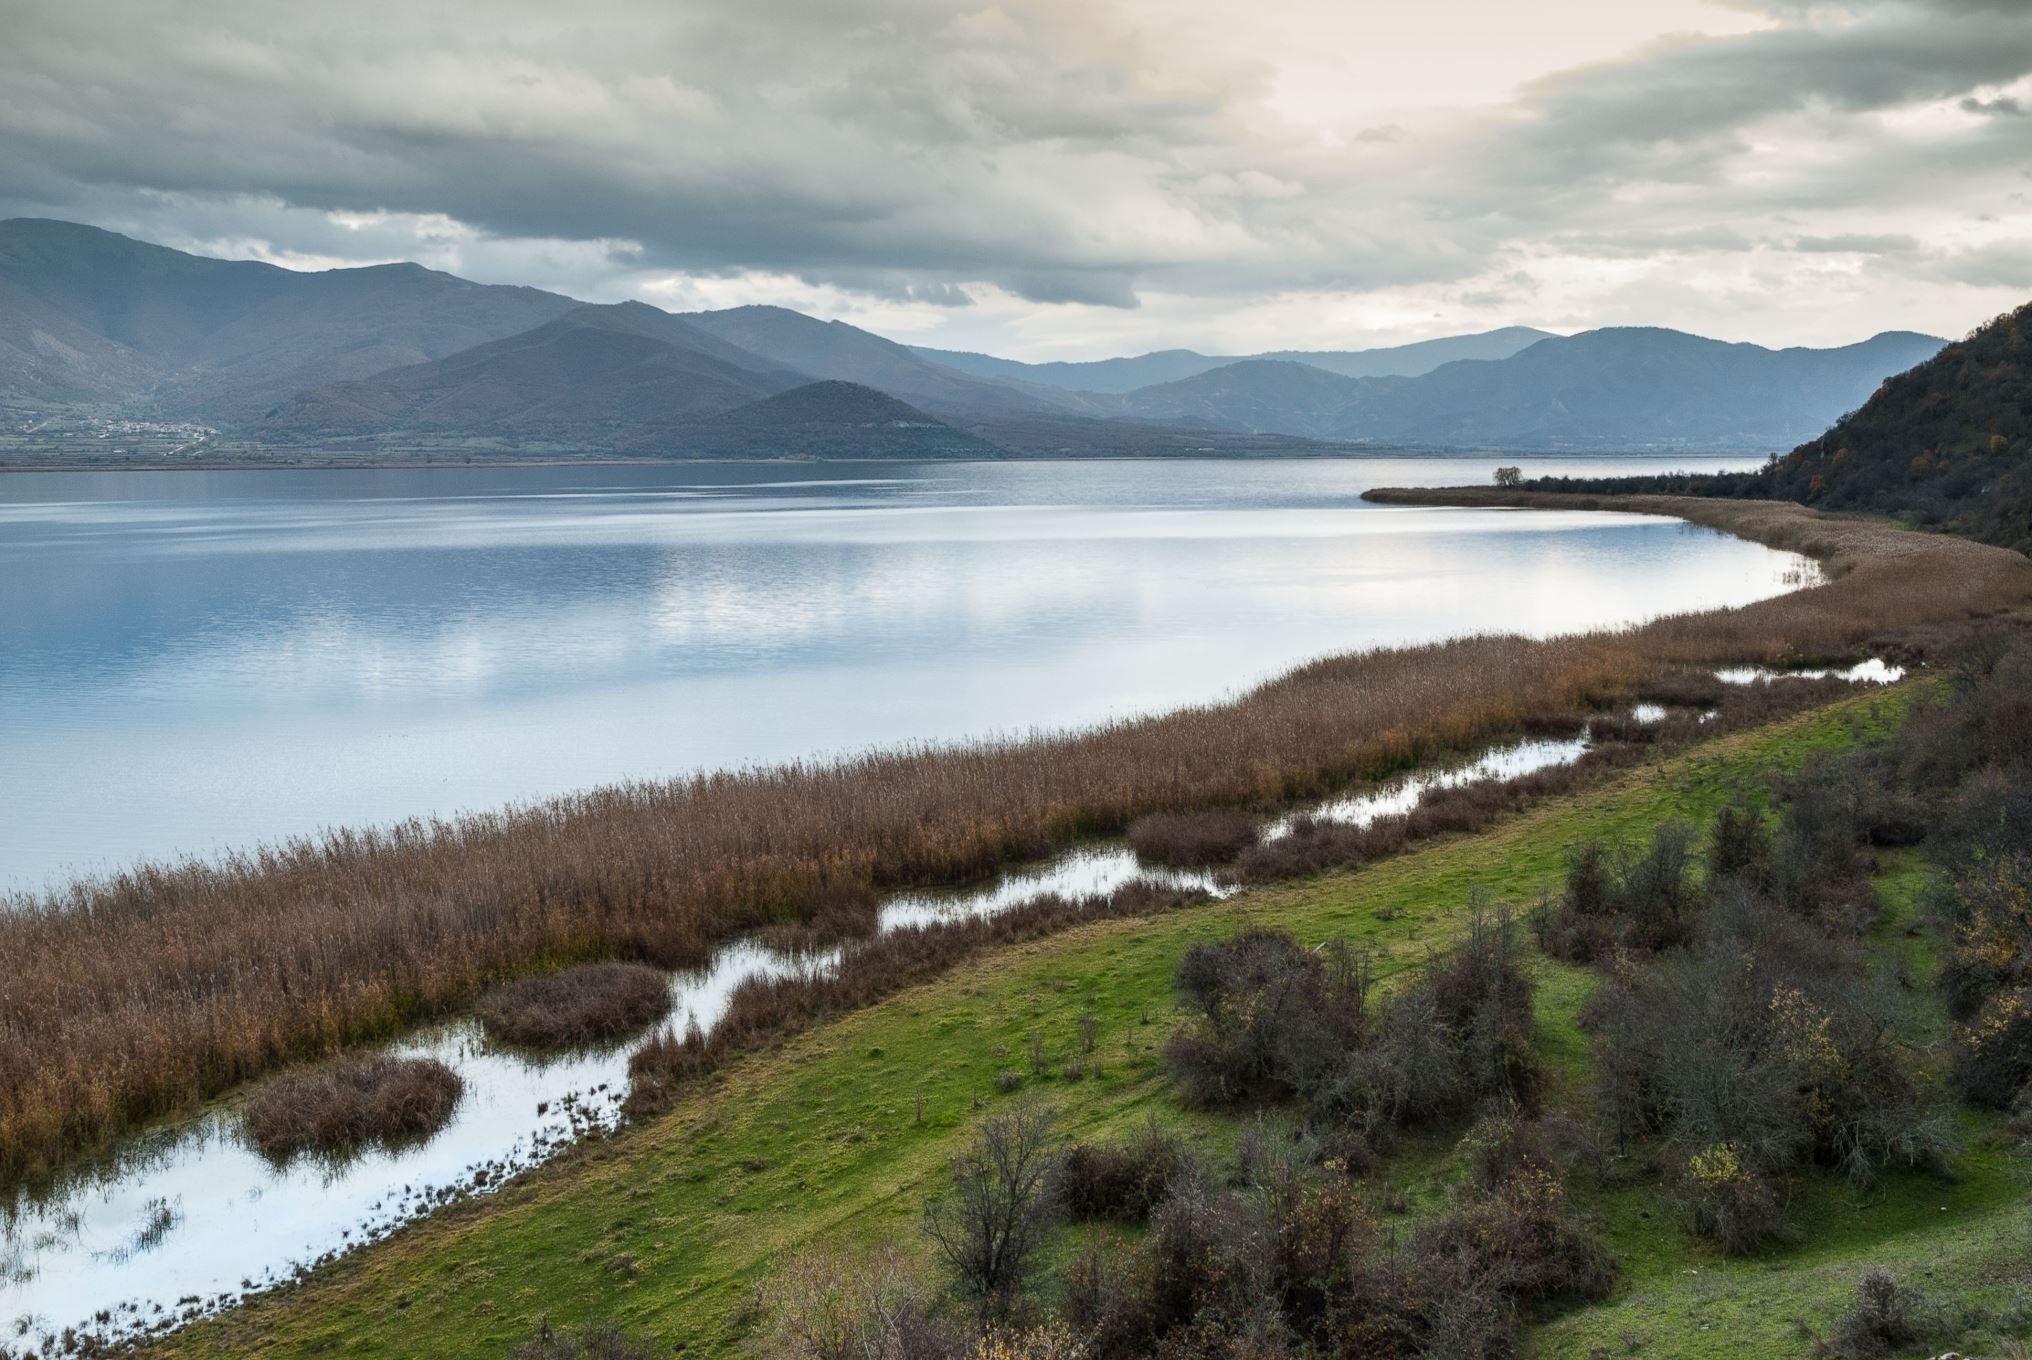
1946 445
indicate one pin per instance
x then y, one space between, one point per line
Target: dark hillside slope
48 358
1126 374
1270 395
1948 444
1622 388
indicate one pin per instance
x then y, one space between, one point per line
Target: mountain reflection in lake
197 661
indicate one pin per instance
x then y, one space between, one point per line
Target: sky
1069 179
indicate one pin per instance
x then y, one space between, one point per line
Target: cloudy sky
1074 178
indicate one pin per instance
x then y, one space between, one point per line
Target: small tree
1509 476
988 1226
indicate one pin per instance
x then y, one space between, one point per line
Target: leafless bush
1525 1239
1123 1181
591 1003
1272 1019
1762 1046
836 1303
989 1224
1739 845
1192 839
1107 1293
1622 899
594 1341
344 1104
1884 1319
1459 1035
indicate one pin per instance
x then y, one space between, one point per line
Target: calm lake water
196 661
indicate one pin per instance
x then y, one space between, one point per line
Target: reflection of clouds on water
207 661
1874 671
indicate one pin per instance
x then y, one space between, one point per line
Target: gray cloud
919 152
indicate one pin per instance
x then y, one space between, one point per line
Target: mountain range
1169 365
397 355
1944 445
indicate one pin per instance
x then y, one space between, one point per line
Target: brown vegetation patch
346 1104
142 992
589 1004
1192 839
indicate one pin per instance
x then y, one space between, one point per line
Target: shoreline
384 464
665 872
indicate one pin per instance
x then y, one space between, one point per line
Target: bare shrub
1739 845
1729 1200
989 1224
1192 839
1817 866
1297 1266
594 1341
344 1104
1884 1319
1054 1341
1763 1046
1623 899
836 1303
1107 1294
1126 1180
1525 1239
591 1003
1460 1034
1275 1021
1272 1019
1205 1258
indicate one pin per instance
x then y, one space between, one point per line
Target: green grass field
668 1226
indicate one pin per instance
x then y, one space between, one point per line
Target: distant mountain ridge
1120 376
1629 388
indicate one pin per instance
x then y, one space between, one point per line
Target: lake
196 661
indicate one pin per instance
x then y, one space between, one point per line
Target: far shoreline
388 464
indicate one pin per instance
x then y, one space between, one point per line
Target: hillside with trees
1947 445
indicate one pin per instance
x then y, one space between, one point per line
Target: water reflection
198 661
1874 671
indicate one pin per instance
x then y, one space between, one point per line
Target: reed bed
128 996
344 1105
587 1004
